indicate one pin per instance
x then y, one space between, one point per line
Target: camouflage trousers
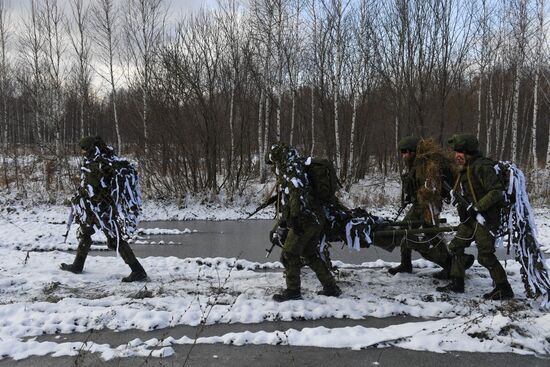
84 236
485 241
300 249
434 250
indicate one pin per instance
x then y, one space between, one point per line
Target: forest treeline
197 98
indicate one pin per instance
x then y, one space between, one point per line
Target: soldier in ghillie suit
108 200
426 168
303 215
479 211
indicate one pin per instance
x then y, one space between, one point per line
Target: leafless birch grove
197 98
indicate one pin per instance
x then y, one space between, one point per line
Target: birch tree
31 42
520 43
106 25
538 69
54 49
4 26
80 41
144 26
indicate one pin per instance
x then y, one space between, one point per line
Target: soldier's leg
126 253
462 239
292 264
486 256
405 266
84 235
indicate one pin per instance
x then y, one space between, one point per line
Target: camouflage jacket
297 199
479 184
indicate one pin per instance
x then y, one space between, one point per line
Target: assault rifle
267 203
479 218
401 208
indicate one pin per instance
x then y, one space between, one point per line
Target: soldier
428 168
95 208
303 215
481 188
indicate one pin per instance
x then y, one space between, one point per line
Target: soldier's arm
492 185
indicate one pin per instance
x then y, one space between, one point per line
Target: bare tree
80 40
4 26
335 11
520 44
105 22
538 69
54 49
31 42
144 25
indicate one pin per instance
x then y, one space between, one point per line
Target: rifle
267 203
479 218
69 222
403 206
278 238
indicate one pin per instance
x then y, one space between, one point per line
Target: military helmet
408 144
280 153
465 143
89 144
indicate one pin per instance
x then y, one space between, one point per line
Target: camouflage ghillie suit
421 187
304 217
479 184
97 206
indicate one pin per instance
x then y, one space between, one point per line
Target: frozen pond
245 239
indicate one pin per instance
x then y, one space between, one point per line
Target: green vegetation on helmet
408 144
465 143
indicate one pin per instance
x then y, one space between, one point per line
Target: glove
278 236
296 226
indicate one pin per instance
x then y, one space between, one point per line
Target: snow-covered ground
37 298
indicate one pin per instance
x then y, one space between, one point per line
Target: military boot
138 274
456 285
501 291
287 295
405 266
77 265
330 291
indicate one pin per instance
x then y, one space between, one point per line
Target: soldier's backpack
126 194
322 178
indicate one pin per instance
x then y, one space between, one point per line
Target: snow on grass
37 298
219 290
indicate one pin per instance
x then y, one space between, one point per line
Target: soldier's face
460 158
407 156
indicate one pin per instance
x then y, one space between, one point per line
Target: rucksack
126 194
322 178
